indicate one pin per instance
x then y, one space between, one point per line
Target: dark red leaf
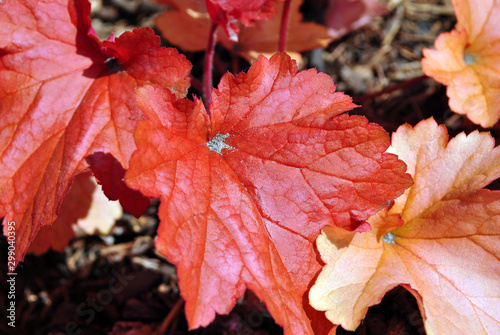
110 172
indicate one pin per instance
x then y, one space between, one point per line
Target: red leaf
63 97
243 197
227 12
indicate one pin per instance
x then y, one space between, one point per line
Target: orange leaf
448 250
188 25
245 193
467 60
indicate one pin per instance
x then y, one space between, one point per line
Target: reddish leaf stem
219 65
235 64
284 25
196 84
171 315
209 60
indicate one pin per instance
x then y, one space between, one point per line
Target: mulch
118 284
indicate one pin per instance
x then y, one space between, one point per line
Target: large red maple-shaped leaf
63 96
243 196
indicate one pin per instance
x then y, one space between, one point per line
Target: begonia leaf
63 96
245 193
441 239
187 26
467 61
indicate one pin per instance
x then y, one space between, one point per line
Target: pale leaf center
470 59
388 238
217 143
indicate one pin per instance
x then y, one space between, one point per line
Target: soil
70 292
